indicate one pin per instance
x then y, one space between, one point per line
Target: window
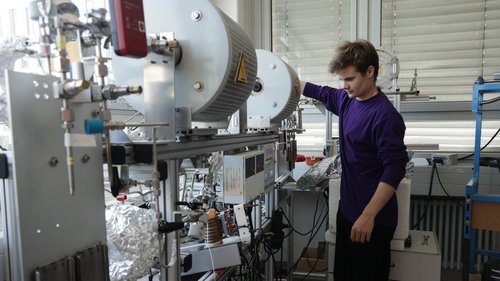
449 42
306 33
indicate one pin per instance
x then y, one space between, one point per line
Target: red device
128 28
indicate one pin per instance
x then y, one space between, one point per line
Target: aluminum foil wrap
132 241
318 176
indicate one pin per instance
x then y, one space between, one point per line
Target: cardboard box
310 260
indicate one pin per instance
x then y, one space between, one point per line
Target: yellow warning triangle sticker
241 71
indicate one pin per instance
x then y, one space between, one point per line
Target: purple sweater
371 149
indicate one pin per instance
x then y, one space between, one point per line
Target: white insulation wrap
333 204
279 95
132 241
217 56
403 193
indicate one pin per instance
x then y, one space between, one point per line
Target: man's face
358 85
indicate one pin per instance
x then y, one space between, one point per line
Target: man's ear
370 71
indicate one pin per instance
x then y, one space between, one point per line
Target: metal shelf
484 205
312 276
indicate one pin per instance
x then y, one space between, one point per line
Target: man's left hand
362 229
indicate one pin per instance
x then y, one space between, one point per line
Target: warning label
241 71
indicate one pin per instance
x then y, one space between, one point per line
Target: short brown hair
360 54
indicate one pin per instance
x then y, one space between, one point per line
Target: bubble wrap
132 241
318 176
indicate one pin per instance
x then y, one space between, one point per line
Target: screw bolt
85 158
198 86
196 15
53 161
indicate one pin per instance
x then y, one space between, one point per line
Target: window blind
306 33
449 42
451 136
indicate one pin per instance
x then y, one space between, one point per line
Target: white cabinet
422 261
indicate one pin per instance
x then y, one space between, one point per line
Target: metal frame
181 150
44 223
470 234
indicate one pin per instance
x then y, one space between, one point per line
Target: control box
128 28
446 159
243 176
269 163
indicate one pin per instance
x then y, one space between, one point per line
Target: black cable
314 219
446 192
490 101
291 226
308 243
2 148
312 232
472 154
247 266
428 197
267 247
315 210
313 267
311 238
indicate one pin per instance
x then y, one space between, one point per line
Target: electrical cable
213 266
490 101
428 197
314 219
315 211
291 226
308 243
446 192
472 154
313 267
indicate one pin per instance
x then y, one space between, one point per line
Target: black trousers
362 261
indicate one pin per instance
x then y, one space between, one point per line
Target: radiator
445 218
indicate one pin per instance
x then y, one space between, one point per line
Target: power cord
472 154
428 194
313 234
444 189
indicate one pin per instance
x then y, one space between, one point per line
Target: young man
373 159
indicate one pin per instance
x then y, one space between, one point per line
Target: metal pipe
416 93
242 116
122 125
299 118
156 180
101 73
279 182
109 160
101 66
328 126
69 150
170 207
132 117
258 218
66 115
